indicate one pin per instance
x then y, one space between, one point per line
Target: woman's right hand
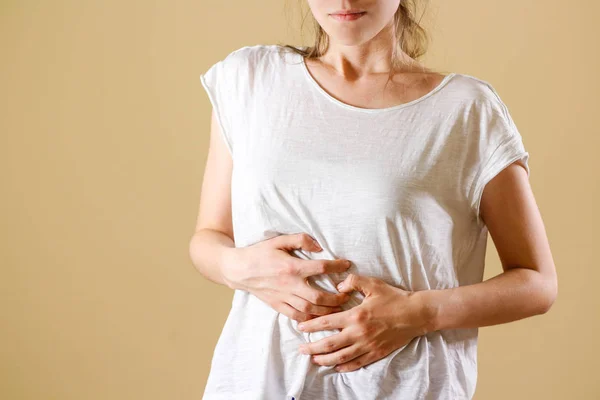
267 270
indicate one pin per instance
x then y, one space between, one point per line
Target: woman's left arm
528 286
389 317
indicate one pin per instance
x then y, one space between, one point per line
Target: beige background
105 128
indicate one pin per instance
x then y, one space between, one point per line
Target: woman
326 170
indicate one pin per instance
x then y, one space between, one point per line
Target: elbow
193 250
548 290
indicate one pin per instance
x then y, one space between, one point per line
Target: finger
309 308
291 312
296 241
327 345
337 320
344 355
316 267
271 297
320 297
364 359
360 283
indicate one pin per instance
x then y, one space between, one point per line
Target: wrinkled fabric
395 190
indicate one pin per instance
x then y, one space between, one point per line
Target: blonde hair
410 37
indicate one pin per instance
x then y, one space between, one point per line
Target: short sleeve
215 82
498 145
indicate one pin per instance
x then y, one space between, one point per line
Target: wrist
427 306
228 263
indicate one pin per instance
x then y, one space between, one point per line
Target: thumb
359 283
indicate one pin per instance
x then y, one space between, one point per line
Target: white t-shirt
394 190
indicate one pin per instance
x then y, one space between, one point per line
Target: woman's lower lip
348 17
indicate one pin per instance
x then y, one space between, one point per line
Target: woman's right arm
266 269
213 240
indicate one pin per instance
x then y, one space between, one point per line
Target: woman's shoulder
246 63
476 91
252 54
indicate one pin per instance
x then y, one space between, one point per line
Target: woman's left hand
387 319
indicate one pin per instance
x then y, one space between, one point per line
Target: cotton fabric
395 190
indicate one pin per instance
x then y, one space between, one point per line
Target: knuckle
321 266
317 297
342 358
368 329
344 264
288 268
360 316
362 331
306 307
